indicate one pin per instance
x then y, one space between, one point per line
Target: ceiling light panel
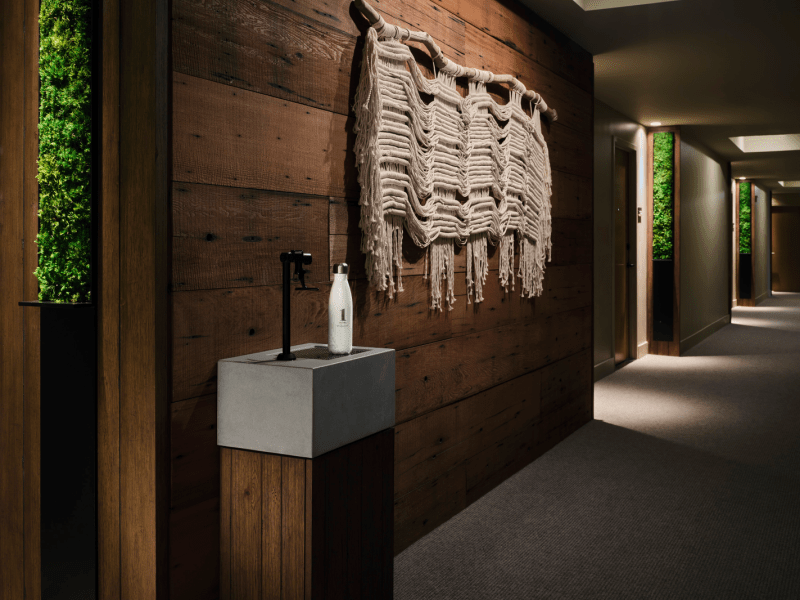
768 143
604 4
790 184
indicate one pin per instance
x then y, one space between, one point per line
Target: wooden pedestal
308 528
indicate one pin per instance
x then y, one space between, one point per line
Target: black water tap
299 258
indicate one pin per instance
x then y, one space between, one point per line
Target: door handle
629 265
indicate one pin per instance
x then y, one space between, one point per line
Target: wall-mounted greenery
744 217
64 151
663 193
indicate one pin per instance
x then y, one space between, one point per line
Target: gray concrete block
304 407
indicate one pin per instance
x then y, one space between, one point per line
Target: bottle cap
341 268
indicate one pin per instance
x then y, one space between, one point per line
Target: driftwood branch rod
444 64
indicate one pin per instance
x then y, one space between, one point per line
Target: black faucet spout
299 258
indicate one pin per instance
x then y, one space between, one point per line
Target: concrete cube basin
305 407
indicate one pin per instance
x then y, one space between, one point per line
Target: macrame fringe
507 261
441 264
477 255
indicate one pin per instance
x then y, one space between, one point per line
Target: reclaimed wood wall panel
227 136
263 162
211 324
226 237
574 103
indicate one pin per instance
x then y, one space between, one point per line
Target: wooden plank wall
263 162
20 574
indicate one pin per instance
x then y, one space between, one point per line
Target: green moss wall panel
64 151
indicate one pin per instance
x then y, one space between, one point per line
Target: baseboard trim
642 349
696 338
604 369
762 297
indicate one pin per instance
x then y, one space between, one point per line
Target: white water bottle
340 313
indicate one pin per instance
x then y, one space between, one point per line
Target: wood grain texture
194 548
326 523
428 506
12 367
574 105
268 49
144 309
293 523
272 515
431 445
31 341
291 51
523 31
436 374
246 504
225 502
447 29
226 237
108 310
195 473
237 138
215 324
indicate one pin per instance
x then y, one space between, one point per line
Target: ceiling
718 68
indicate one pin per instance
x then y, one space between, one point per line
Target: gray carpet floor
687 485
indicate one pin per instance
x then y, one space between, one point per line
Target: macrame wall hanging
455 170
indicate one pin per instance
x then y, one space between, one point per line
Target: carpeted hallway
687 485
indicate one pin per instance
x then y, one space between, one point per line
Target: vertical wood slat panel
272 507
293 509
12 564
355 474
335 548
226 491
144 307
246 489
32 374
108 311
314 536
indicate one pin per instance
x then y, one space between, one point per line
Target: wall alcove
664 273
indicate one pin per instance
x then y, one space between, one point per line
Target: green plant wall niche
663 193
64 151
745 193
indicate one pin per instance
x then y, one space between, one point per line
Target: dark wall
263 163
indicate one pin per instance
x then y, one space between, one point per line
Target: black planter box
68 451
745 276
663 292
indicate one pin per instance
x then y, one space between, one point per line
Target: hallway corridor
687 485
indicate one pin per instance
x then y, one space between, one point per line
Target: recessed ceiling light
790 184
655 124
603 4
768 143
742 178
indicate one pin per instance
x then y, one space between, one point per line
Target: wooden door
785 249
621 257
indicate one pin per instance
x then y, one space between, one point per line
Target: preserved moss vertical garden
65 129
745 192
745 241
663 194
663 234
68 320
